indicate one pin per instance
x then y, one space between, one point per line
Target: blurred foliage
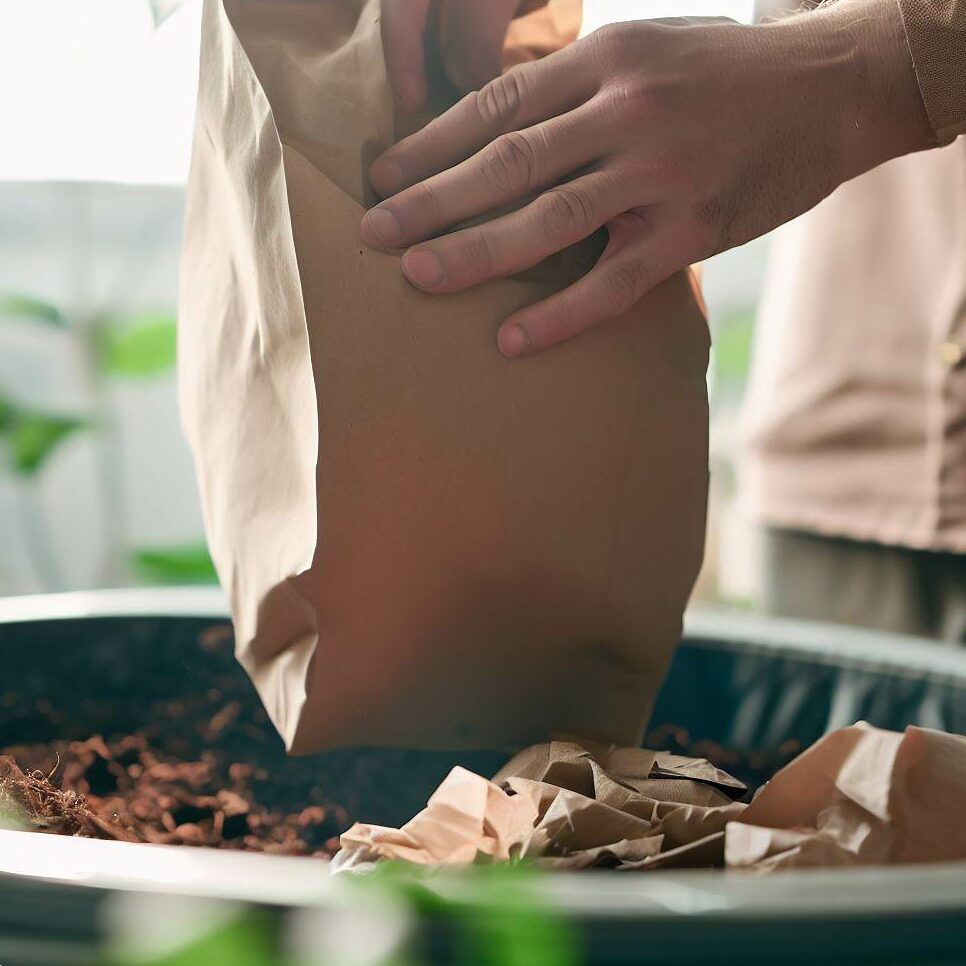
134 346
26 308
249 939
142 345
732 349
497 912
189 564
484 915
30 436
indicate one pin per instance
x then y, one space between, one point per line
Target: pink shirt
856 412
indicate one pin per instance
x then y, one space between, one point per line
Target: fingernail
382 223
385 176
423 268
513 340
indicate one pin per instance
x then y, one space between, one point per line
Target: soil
195 773
175 748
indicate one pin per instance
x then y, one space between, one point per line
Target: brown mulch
200 765
123 791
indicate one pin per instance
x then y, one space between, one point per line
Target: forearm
859 56
936 35
924 39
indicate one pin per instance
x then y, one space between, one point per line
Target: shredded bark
30 798
122 791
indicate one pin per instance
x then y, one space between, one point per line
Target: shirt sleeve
936 31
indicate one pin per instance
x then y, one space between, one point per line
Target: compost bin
749 691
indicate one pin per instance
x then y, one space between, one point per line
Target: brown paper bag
423 543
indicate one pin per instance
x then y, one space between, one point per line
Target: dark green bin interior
745 684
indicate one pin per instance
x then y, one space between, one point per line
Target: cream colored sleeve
936 30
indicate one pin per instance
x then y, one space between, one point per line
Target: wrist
868 78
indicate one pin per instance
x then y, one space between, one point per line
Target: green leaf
249 939
187 564
732 347
500 916
26 308
32 437
144 345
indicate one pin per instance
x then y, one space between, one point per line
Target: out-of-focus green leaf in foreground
186 564
481 916
143 345
497 914
249 939
27 308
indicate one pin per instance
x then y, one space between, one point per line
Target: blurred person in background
685 138
855 463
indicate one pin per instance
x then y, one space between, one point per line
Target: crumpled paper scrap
566 804
466 817
859 795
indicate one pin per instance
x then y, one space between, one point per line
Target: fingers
636 259
522 97
515 165
403 25
555 220
473 35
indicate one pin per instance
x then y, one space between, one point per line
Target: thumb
403 26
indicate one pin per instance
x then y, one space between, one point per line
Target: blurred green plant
732 350
141 345
484 915
497 914
113 347
174 565
247 939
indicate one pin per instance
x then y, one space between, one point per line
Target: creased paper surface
567 804
423 544
860 795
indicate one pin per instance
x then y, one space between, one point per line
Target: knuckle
476 257
640 99
500 101
424 207
511 162
626 284
567 211
612 41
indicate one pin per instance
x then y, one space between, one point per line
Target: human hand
472 37
683 138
